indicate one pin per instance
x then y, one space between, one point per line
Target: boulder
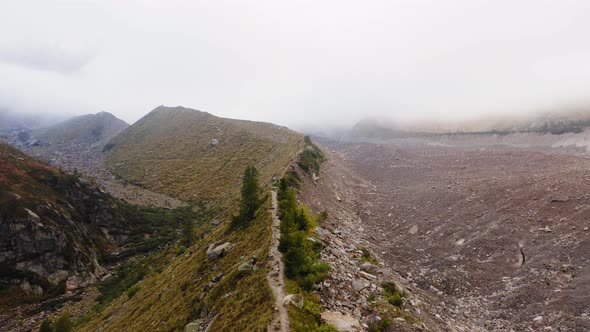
358 285
342 322
35 290
195 326
294 299
216 252
58 276
369 268
249 265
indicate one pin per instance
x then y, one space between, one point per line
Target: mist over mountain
377 166
23 120
91 129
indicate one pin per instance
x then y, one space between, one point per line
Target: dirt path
276 275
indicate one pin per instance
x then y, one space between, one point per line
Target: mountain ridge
191 154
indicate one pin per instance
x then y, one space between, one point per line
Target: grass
367 257
176 296
392 294
170 151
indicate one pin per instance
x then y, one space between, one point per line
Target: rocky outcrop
342 322
215 252
54 227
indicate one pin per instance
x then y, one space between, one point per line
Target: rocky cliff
55 228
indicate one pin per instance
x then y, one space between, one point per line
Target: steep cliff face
55 228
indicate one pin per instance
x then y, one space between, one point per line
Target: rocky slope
54 227
77 145
353 297
492 239
190 154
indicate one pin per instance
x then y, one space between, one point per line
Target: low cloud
48 58
297 63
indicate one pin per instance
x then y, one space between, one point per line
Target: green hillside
194 155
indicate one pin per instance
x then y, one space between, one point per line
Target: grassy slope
23 176
170 151
176 296
172 298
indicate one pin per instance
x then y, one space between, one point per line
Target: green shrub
63 324
301 255
366 256
133 290
46 326
181 250
326 328
161 226
392 294
311 157
380 326
188 233
388 287
322 217
395 300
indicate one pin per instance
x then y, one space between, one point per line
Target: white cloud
295 62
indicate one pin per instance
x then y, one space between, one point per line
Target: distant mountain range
549 123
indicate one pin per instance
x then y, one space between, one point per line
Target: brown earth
490 238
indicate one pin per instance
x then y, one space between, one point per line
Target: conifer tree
250 200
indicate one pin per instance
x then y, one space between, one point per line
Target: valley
488 237
143 227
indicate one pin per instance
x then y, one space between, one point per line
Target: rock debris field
490 238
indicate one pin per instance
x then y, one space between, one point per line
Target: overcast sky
295 62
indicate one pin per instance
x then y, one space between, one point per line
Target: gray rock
293 299
37 290
369 268
358 285
342 322
216 252
195 326
246 266
26 287
58 276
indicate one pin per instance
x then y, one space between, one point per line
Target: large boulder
342 322
215 252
